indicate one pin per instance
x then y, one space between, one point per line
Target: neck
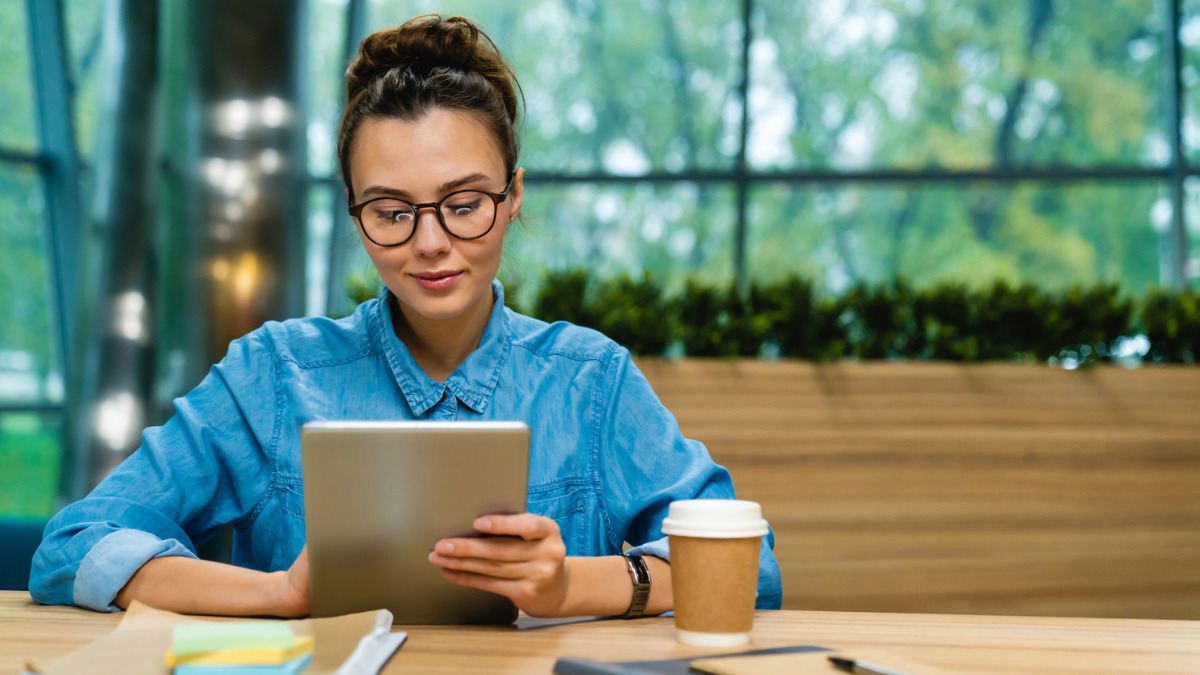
440 346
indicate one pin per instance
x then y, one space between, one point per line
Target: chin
440 308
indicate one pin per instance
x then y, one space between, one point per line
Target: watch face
638 566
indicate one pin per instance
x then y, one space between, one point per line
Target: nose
430 239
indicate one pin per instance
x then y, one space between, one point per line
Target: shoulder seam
559 352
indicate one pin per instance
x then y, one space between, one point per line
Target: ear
516 194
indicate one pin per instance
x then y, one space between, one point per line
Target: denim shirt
606 457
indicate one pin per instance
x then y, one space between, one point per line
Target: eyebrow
382 191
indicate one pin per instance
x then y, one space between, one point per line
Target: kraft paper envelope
803 663
140 643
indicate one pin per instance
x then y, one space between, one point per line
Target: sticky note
207 637
243 655
292 667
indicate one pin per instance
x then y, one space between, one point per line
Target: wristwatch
641 586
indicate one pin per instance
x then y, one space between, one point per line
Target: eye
463 205
389 212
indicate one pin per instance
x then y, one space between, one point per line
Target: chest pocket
574 508
289 490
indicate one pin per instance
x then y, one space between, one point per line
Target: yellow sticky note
246 656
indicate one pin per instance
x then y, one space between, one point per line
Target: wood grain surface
960 644
983 489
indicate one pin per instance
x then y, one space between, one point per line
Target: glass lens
388 221
468 214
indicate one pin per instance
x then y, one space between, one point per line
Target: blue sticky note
290 668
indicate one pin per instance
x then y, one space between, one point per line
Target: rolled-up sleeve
207 466
646 463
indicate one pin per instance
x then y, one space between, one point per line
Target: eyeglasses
465 214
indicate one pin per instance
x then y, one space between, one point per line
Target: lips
438 280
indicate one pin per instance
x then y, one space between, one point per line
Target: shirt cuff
112 562
657 548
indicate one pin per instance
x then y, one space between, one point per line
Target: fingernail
483 524
445 548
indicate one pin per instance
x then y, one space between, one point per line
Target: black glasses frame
497 198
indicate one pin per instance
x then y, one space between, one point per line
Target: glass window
316 265
27 329
945 83
1051 235
1189 76
327 67
621 88
29 463
17 131
84 33
1191 213
674 231
30 372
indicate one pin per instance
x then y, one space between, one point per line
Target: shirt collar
474 381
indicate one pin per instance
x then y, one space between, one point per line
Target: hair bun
422 45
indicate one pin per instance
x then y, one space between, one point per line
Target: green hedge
950 322
888 321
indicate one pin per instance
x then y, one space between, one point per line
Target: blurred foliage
888 321
633 312
360 289
29 462
1171 322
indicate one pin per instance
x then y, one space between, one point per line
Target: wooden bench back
946 488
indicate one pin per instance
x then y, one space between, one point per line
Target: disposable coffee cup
715 547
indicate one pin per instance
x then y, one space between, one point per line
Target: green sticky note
194 638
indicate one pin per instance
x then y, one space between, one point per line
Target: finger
524 525
481 566
509 588
506 549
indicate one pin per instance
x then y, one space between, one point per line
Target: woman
428 151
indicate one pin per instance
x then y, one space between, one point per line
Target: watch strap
640 574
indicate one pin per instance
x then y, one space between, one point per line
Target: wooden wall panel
934 487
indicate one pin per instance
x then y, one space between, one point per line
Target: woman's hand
292 587
526 564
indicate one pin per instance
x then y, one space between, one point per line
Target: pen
863 667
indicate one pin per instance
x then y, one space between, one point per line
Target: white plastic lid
715 519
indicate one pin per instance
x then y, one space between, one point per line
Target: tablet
378 496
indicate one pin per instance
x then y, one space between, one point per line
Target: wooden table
966 644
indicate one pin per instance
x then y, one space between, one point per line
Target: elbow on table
50 582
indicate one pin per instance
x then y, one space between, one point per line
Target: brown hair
431 62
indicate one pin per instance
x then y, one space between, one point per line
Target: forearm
602 586
192 586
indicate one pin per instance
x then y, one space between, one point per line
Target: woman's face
434 275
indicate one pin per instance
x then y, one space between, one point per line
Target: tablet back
378 495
